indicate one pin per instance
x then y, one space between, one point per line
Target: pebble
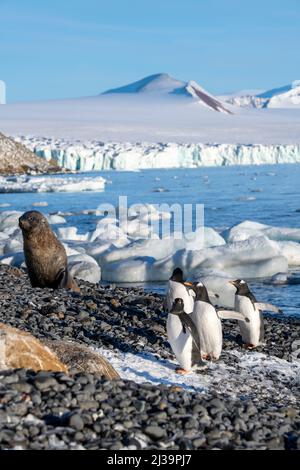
76 422
155 432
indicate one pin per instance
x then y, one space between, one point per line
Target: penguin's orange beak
232 283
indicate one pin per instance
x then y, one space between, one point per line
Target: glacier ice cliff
97 155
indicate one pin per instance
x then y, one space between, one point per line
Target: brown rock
16 158
82 358
19 349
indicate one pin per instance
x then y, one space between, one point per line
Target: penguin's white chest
209 329
181 343
250 331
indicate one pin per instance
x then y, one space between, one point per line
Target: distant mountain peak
164 84
159 82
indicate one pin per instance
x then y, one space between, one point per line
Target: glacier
96 155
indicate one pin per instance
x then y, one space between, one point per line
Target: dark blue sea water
268 194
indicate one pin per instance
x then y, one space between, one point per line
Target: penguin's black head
201 292
177 307
177 275
32 221
241 286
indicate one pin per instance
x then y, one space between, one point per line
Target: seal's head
32 221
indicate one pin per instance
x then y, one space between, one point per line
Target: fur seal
45 256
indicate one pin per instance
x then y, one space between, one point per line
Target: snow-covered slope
284 97
287 96
156 109
157 83
140 118
162 83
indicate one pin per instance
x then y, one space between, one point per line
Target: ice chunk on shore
253 258
249 228
9 220
14 259
84 267
130 256
56 219
70 233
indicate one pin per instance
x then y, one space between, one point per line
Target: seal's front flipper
65 280
60 279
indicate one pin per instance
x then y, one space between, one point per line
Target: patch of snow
266 371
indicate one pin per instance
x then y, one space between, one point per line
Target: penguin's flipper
262 328
187 323
232 315
212 295
268 307
165 304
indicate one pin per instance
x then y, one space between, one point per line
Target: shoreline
230 411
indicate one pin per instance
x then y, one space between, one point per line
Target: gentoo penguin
246 303
183 337
208 324
179 288
179 299
187 331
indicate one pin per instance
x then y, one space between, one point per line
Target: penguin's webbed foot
249 346
181 371
206 357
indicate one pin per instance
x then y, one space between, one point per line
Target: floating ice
9 220
46 184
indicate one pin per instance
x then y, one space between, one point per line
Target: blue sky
68 48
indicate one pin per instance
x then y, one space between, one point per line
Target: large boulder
82 358
19 349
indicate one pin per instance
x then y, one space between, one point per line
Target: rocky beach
233 404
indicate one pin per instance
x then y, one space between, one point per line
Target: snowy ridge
287 96
96 155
